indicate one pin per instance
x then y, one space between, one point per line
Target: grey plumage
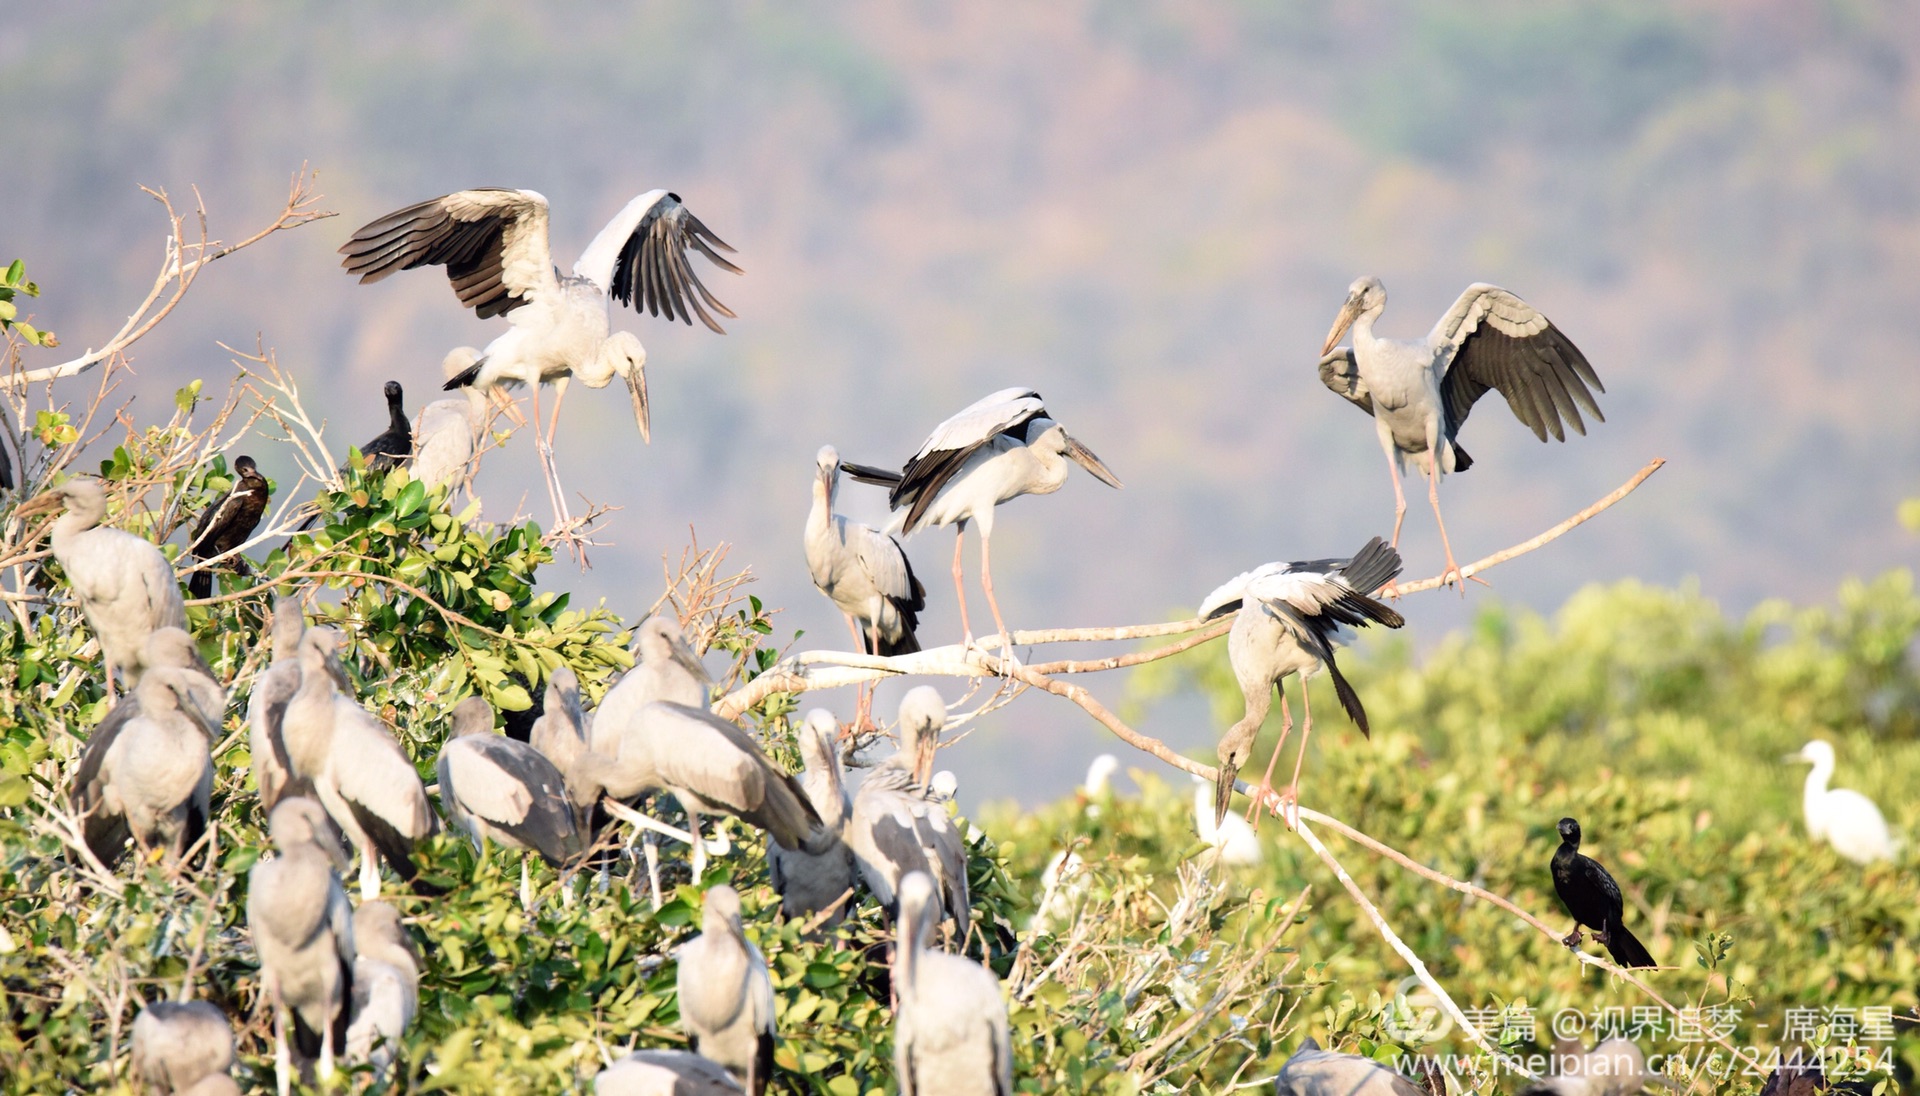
1312 1071
726 997
506 791
148 775
386 986
809 882
864 572
898 828
273 690
1290 618
665 1073
560 733
178 1045
125 587
448 432
1420 391
710 765
665 667
303 931
358 771
950 1021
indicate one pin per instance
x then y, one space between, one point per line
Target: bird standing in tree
395 443
1593 898
226 525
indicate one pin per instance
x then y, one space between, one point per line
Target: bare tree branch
177 274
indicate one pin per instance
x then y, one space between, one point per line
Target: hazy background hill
1148 212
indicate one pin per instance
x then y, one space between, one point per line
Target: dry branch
177 273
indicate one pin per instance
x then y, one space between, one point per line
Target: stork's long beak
683 654
637 388
1349 312
41 504
1222 792
923 758
1084 458
1792 757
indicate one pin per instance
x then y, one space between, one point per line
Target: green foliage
1661 725
14 283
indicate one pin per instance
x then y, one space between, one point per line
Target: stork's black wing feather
652 272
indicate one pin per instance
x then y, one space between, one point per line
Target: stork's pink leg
1262 795
1391 589
986 582
863 712
1452 573
960 589
1289 796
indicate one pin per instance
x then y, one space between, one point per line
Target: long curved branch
825 669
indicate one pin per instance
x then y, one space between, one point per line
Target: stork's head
297 820
1366 295
1818 753
84 498
472 716
1054 438
817 737
623 356
722 913
1570 832
245 467
659 640
826 464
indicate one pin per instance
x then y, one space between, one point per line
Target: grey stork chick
386 986
950 1021
560 733
726 997
391 446
125 586
665 667
1312 1071
506 791
1419 391
712 767
864 572
358 771
991 452
273 690
1291 618
448 431
810 882
227 524
493 244
303 931
665 1073
148 776
898 828
182 1047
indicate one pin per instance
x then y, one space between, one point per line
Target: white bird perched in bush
1841 817
1233 835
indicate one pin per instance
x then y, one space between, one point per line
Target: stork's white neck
1816 790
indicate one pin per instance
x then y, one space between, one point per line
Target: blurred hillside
1148 212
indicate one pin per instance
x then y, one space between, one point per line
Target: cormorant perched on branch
227 524
1593 898
395 443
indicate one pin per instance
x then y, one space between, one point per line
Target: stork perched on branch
1419 391
992 451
